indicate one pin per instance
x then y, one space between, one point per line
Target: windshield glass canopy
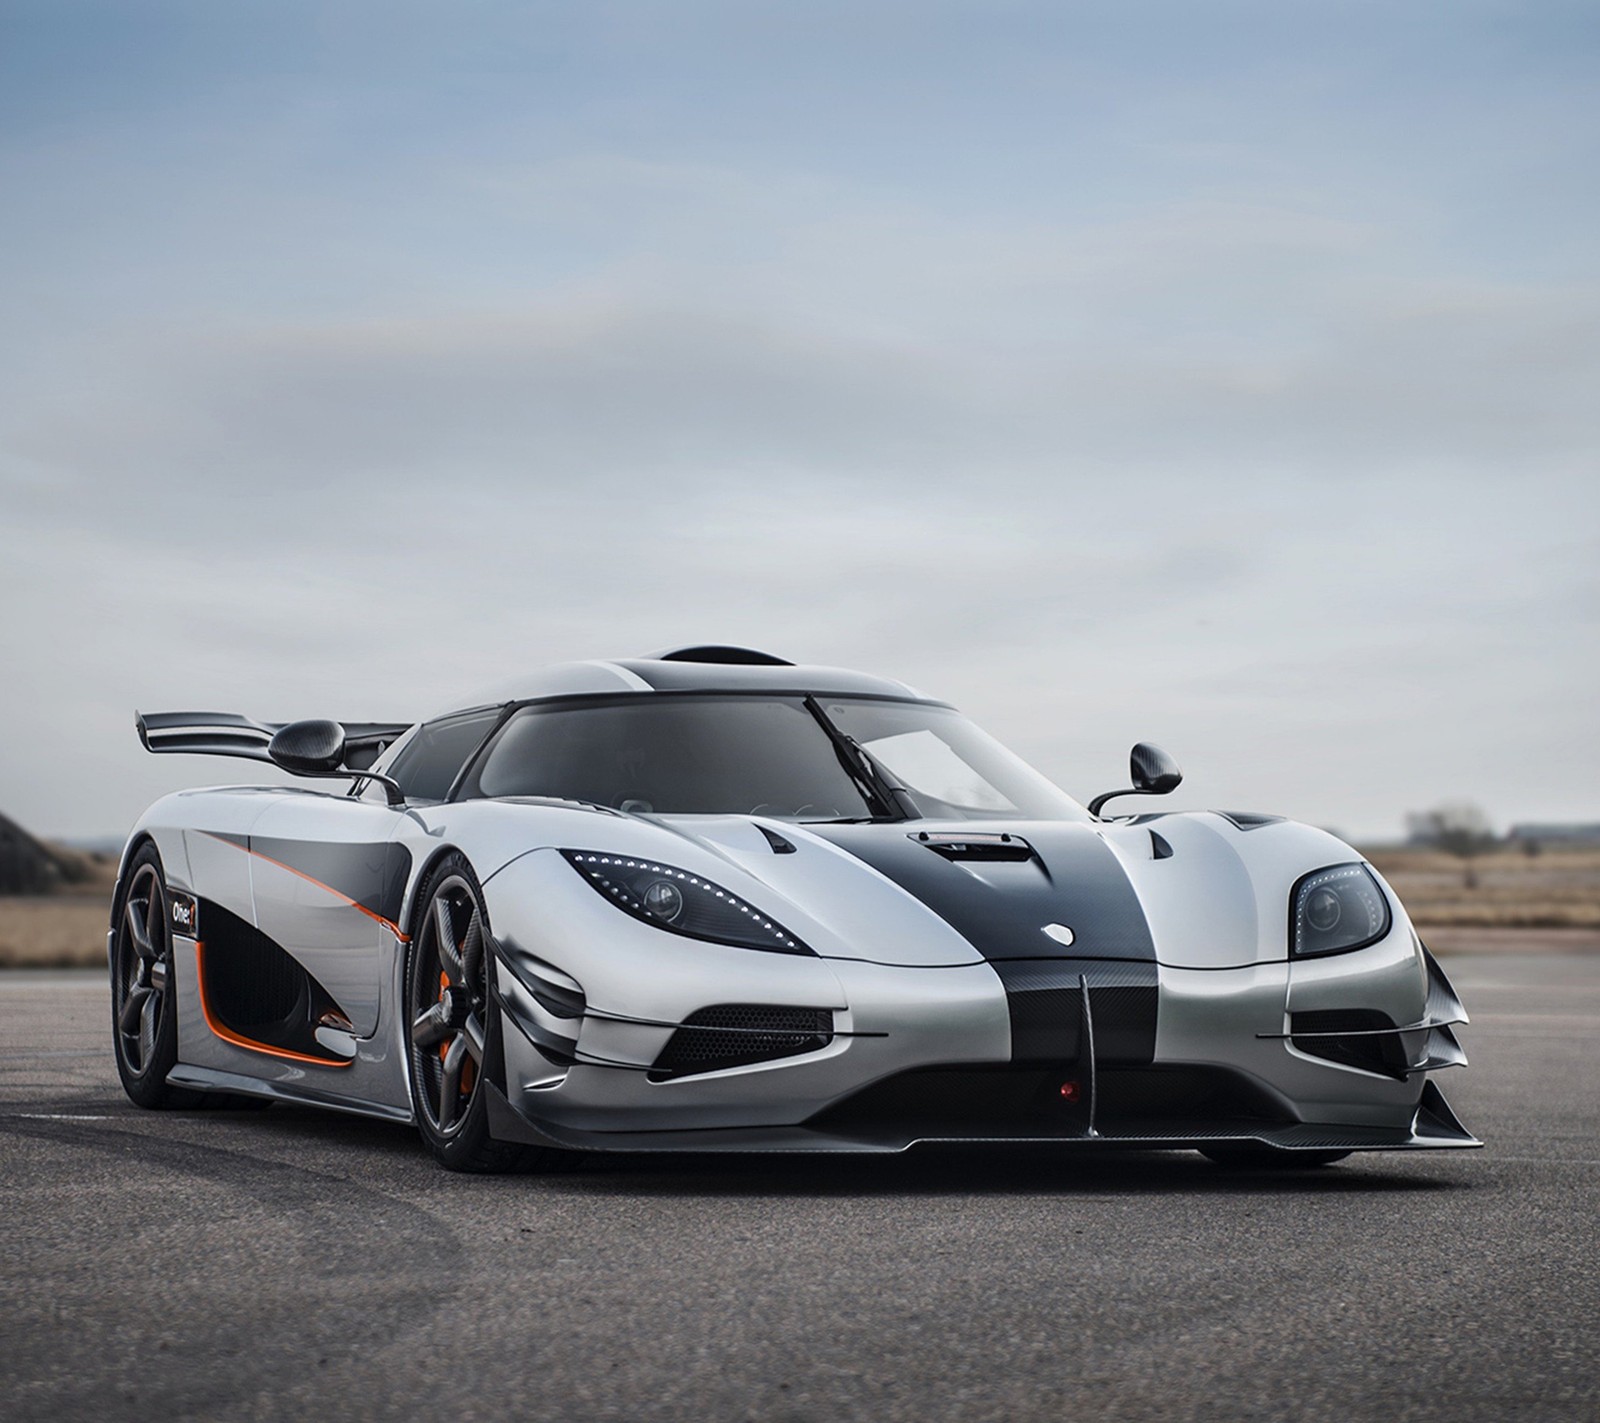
709 754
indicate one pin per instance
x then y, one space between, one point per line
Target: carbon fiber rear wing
229 734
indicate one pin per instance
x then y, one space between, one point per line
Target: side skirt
210 1079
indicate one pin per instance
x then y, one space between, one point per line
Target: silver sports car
711 901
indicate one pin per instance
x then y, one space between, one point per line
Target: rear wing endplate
229 734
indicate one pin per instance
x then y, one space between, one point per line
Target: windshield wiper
899 794
571 800
889 800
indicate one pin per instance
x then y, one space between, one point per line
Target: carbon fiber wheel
144 1017
454 1022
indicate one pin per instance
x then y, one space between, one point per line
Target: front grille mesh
737 1034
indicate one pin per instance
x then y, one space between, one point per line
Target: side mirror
308 748
1152 771
317 748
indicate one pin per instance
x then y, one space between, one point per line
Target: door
328 879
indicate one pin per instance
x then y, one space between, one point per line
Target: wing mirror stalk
316 748
1152 771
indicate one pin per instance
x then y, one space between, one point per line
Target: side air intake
737 1034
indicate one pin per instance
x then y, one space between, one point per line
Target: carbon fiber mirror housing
1152 771
308 748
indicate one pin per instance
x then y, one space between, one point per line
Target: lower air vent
737 1034
1375 1050
959 1103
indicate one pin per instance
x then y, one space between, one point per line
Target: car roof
705 668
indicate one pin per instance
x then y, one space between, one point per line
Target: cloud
619 387
1103 418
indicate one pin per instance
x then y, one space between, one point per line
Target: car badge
185 914
1059 932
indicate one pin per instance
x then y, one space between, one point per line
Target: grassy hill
54 901
1552 889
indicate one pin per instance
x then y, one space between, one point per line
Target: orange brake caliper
444 1047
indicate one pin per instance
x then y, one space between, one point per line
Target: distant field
1557 889
52 931
1546 901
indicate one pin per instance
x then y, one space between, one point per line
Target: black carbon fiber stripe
371 876
1001 910
1046 1004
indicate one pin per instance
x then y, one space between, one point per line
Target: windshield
953 770
774 756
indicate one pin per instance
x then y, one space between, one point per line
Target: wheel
455 1026
1248 1156
144 1005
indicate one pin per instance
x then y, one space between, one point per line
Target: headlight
1335 910
684 903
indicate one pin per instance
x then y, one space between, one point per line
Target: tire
1250 1157
453 1027
144 999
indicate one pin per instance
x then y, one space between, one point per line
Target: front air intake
738 1034
1373 1044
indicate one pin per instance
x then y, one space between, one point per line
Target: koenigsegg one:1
711 901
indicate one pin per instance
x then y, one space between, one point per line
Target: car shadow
924 1171
972 1171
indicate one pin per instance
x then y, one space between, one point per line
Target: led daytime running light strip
595 867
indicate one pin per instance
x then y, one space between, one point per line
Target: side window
428 765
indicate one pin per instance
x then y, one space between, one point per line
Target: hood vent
1248 819
780 846
977 849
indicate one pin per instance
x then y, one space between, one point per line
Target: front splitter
1434 1127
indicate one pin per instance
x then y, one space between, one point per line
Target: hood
1013 891
1185 889
932 893
1190 889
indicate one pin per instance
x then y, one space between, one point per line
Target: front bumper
590 1000
923 1056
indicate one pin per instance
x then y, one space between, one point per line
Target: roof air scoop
717 653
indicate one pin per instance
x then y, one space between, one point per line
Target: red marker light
1070 1092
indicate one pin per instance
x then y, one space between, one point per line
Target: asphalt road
295 1265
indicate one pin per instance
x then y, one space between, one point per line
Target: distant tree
1459 828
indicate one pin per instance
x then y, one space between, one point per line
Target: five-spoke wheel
143 1001
453 1021
449 1004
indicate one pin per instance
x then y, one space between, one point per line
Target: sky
1218 374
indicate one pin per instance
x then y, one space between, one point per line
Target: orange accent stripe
388 924
229 1036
